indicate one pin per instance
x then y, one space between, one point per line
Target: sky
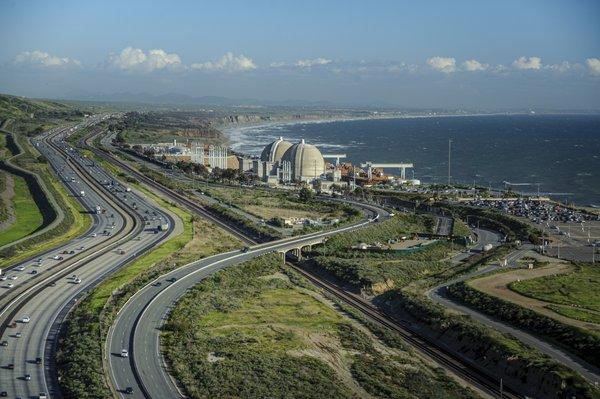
414 54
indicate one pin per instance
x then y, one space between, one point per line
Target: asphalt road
137 327
439 295
46 308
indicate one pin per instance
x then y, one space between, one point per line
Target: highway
48 295
439 294
137 327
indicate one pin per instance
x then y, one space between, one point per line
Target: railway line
460 367
429 348
174 195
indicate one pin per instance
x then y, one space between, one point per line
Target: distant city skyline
462 54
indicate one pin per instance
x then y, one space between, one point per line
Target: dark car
10 366
129 390
245 249
172 279
4 343
38 360
3 394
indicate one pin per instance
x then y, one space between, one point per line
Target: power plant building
282 161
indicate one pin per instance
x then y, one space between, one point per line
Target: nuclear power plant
284 162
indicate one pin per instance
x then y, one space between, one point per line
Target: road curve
439 295
137 326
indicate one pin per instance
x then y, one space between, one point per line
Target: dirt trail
497 285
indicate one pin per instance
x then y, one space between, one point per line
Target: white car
26 319
77 280
9 285
3 277
124 353
13 277
94 234
20 268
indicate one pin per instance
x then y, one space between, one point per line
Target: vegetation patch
28 217
576 313
578 288
252 331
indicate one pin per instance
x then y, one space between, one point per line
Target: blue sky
499 54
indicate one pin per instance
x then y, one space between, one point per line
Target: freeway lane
137 325
45 307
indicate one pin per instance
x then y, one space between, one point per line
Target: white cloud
228 62
562 67
593 65
528 63
313 62
43 59
135 59
474 65
442 64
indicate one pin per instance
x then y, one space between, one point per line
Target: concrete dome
306 161
275 150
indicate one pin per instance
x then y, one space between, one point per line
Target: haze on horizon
460 54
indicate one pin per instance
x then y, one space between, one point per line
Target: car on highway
3 394
245 249
3 277
10 366
13 277
20 268
124 353
129 390
38 360
77 281
27 377
18 335
172 279
9 285
26 319
42 395
93 234
4 343
33 272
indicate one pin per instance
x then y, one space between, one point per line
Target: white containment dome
306 161
274 151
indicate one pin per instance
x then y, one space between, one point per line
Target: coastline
233 132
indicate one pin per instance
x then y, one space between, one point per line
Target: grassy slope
28 217
257 330
79 221
579 288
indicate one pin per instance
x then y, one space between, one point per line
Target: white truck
98 209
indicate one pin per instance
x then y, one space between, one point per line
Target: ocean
560 153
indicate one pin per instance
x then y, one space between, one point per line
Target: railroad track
181 199
469 373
